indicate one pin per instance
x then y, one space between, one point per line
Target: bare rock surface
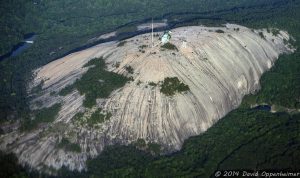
219 68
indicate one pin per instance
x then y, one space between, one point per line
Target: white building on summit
166 37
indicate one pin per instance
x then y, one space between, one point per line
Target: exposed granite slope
219 68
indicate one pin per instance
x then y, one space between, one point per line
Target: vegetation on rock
97 82
122 43
129 69
169 46
171 85
219 31
261 34
68 146
98 117
45 115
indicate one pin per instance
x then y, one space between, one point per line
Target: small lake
262 108
20 47
24 45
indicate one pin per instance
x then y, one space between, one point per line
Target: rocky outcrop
220 66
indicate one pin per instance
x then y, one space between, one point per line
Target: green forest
265 140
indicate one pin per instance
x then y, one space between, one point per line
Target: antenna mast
152 33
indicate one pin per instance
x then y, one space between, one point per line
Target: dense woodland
265 140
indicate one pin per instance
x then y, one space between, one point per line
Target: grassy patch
153 84
275 31
44 115
154 148
38 88
52 93
139 82
169 46
143 46
122 43
140 143
151 147
67 90
78 116
171 85
219 31
117 64
261 34
90 83
98 117
68 146
129 69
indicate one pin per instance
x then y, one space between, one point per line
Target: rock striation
220 66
